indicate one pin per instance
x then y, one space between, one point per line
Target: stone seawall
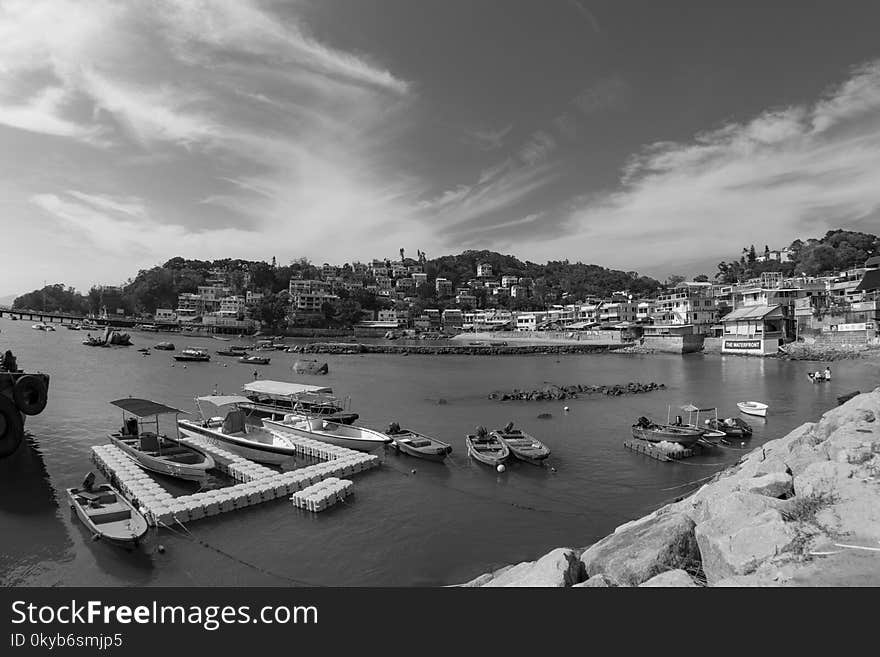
436 350
802 510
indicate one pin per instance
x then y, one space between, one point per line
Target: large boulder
638 551
558 568
774 484
671 579
743 530
595 582
844 499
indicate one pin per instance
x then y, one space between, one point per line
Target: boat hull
274 454
493 458
187 471
757 411
525 447
668 434
124 532
437 451
274 413
192 359
366 444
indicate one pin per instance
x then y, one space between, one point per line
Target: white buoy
565 409
500 467
184 367
552 469
413 471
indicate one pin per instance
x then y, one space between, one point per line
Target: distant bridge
52 317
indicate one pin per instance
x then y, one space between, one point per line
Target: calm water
444 524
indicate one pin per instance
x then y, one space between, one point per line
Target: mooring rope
192 537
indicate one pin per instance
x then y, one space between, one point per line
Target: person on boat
256 375
818 375
9 362
827 373
678 420
812 377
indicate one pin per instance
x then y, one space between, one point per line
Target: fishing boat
254 360
73 327
233 350
192 354
333 433
145 351
522 445
141 439
753 408
487 448
645 429
223 421
106 513
732 427
417 444
165 346
693 421
275 399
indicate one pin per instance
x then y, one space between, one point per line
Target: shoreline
343 348
800 510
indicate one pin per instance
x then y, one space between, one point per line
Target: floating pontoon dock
662 452
315 487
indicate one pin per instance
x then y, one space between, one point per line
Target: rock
636 552
774 484
596 581
671 578
558 568
743 531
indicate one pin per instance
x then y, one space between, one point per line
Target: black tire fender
30 394
11 427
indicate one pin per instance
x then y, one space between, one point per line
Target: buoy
500 467
552 469
742 444
413 471
161 549
184 367
565 409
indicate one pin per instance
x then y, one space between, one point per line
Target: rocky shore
825 353
438 350
555 392
802 510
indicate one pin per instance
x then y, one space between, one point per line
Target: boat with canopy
275 399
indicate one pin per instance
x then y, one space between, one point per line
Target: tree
701 278
752 256
673 280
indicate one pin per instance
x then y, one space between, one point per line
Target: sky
638 135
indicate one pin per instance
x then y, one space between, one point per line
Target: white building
508 281
484 270
165 315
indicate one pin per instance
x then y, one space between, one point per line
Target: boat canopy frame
147 413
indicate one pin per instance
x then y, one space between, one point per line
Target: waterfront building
530 321
165 315
644 311
687 304
452 318
311 302
616 312
758 330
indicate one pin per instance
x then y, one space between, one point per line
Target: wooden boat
165 346
418 444
753 408
693 421
223 422
141 439
275 399
191 354
254 360
333 433
731 427
487 448
232 351
107 513
522 445
645 429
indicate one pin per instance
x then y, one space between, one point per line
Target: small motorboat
232 350
476 344
731 427
753 408
417 444
107 513
73 327
165 346
191 354
487 448
163 453
254 360
497 343
645 429
317 428
522 445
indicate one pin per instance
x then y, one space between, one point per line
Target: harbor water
409 522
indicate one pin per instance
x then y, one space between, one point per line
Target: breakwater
439 350
801 510
556 392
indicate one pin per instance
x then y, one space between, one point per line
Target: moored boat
758 409
254 360
192 354
275 399
486 448
418 444
731 427
140 438
107 513
645 429
165 346
233 350
523 446
333 433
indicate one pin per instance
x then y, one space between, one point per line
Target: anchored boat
275 399
753 408
254 360
333 433
141 439
522 445
192 354
107 513
487 448
645 429
418 444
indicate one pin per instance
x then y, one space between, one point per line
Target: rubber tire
11 427
30 394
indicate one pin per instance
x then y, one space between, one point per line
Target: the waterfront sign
853 327
742 344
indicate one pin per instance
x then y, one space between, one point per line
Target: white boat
333 433
223 422
141 439
753 408
275 399
40 326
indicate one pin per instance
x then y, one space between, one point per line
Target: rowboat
223 422
645 429
487 448
233 350
142 441
753 408
254 360
522 445
192 354
418 444
275 399
732 427
107 513
333 433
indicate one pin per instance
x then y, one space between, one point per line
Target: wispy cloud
786 172
488 139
